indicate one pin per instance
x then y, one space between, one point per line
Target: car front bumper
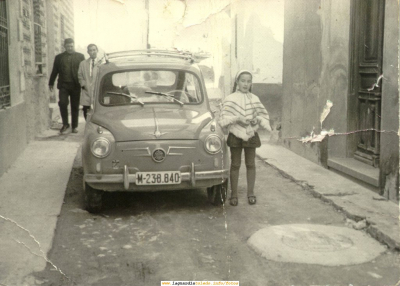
127 181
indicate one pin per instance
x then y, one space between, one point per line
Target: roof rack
151 52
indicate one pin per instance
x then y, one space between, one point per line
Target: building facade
31 34
344 54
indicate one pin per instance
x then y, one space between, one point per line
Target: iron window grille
38 36
4 62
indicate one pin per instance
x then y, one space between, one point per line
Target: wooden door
366 78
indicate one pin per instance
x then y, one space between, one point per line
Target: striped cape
247 105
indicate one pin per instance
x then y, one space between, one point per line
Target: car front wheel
93 199
217 194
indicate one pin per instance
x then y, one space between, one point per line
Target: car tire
217 194
93 199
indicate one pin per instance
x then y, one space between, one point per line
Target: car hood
151 123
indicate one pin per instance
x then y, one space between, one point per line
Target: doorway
364 111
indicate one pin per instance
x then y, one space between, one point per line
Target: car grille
159 151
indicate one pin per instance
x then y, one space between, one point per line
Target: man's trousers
74 94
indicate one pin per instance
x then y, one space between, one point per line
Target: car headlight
213 144
101 147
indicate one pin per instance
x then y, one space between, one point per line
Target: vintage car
152 129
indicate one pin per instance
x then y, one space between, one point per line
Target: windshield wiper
165 95
126 95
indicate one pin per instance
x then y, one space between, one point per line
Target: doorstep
356 170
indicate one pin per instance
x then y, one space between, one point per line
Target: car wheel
217 194
93 199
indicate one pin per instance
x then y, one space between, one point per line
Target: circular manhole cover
315 244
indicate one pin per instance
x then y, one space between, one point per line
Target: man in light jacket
87 75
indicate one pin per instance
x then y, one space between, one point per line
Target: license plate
158 178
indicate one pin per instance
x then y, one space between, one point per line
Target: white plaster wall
193 25
112 25
197 26
259 39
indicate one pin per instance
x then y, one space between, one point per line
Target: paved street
142 238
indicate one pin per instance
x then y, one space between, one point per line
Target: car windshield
150 86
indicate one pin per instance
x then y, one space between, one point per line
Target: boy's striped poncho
246 105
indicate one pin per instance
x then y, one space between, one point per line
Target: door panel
371 47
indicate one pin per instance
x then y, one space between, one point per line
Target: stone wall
12 135
389 155
315 69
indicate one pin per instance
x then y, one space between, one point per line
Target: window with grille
4 66
37 20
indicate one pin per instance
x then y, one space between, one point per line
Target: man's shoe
64 128
74 130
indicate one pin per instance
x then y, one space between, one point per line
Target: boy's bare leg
250 155
236 158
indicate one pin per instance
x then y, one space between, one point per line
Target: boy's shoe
74 130
252 199
64 128
233 201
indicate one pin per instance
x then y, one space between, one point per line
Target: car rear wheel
93 199
217 194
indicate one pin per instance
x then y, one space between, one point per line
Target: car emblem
157 132
159 155
115 164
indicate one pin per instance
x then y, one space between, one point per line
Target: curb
371 228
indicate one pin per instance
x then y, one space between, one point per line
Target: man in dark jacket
66 67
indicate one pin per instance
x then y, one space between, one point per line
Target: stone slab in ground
315 244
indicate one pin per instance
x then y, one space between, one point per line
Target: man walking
87 75
66 67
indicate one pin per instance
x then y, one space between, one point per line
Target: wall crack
42 255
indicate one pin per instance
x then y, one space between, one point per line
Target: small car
152 129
